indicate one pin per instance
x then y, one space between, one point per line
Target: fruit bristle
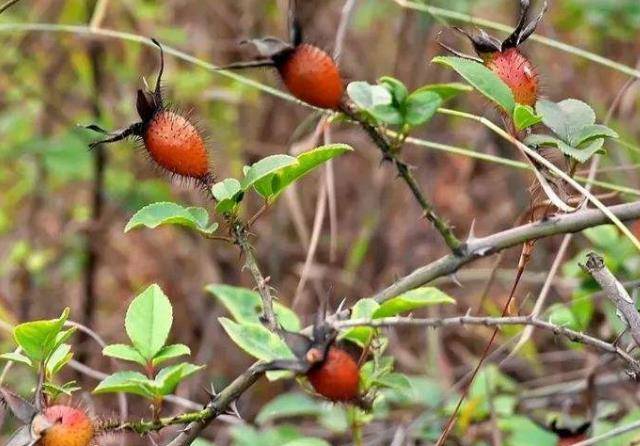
71 427
518 73
312 76
176 145
337 378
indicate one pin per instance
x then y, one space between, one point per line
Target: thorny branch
240 235
390 154
473 249
572 335
616 292
476 248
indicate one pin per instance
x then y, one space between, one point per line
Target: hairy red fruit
517 72
176 145
312 76
571 441
337 378
71 427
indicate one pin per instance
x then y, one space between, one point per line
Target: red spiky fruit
312 76
71 427
517 72
175 144
337 378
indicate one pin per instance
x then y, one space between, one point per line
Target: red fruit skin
72 427
175 144
571 441
312 76
518 73
338 377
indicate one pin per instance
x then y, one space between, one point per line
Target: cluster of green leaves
42 346
269 177
390 103
148 322
574 124
572 121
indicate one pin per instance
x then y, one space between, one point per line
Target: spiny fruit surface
337 378
312 76
72 427
176 145
517 72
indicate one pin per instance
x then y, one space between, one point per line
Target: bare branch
482 247
616 292
572 335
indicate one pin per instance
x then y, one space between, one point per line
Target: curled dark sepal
19 407
483 43
269 47
523 30
22 437
295 28
298 343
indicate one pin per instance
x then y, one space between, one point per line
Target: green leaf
446 91
148 321
592 132
412 300
396 381
170 352
265 168
246 306
166 213
363 309
581 154
367 96
168 378
124 352
523 431
307 441
270 186
17 357
482 79
397 89
54 390
525 116
257 340
289 405
420 107
386 114
39 339
228 193
566 118
127 382
562 316
58 359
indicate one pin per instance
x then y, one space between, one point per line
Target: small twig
220 238
572 335
404 172
241 238
218 405
616 292
257 215
8 5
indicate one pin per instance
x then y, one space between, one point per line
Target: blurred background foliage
47 175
